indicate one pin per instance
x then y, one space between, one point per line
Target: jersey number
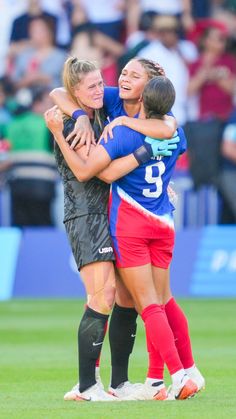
153 177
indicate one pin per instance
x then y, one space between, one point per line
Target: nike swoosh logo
133 336
98 343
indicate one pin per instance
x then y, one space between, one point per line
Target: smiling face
132 81
90 90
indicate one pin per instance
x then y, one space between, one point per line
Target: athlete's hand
107 132
54 120
82 134
162 147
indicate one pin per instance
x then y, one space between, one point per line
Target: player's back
146 186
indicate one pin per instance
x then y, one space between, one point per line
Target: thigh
90 239
140 284
131 251
161 249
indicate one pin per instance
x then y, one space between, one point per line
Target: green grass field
38 363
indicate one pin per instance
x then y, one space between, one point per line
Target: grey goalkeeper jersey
80 198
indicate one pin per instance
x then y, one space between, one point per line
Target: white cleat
93 394
197 378
184 390
148 391
124 389
97 394
74 393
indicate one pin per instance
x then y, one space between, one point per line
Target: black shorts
90 240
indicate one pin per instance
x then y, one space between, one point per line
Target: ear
141 99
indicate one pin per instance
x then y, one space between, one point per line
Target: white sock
191 369
178 376
151 381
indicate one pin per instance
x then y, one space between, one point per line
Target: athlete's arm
118 168
154 128
97 160
150 148
64 102
83 132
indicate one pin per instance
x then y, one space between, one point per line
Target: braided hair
152 68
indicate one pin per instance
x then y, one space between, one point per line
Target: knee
104 300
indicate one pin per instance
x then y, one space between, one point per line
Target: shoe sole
188 390
161 395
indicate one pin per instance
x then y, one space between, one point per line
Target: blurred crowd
193 40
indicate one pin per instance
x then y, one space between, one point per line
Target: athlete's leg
176 318
100 285
178 323
99 281
141 286
122 331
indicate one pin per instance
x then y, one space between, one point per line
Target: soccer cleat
186 389
148 391
124 389
197 378
93 394
74 393
96 394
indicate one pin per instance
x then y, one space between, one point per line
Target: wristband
77 113
143 154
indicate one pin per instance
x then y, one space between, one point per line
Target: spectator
227 174
61 9
93 45
40 63
20 37
9 10
139 39
212 78
182 9
5 114
33 173
173 54
104 16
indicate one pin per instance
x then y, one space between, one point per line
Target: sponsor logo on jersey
105 250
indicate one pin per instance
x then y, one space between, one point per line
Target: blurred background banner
37 263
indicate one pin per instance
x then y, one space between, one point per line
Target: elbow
83 176
170 130
52 94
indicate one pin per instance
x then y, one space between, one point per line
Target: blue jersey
145 188
112 103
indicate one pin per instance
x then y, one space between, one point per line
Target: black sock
90 339
122 331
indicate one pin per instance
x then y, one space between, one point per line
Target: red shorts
133 251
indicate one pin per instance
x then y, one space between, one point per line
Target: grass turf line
38 363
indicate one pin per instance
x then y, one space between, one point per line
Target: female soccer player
141 222
86 224
125 103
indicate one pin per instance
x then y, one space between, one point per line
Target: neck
132 107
